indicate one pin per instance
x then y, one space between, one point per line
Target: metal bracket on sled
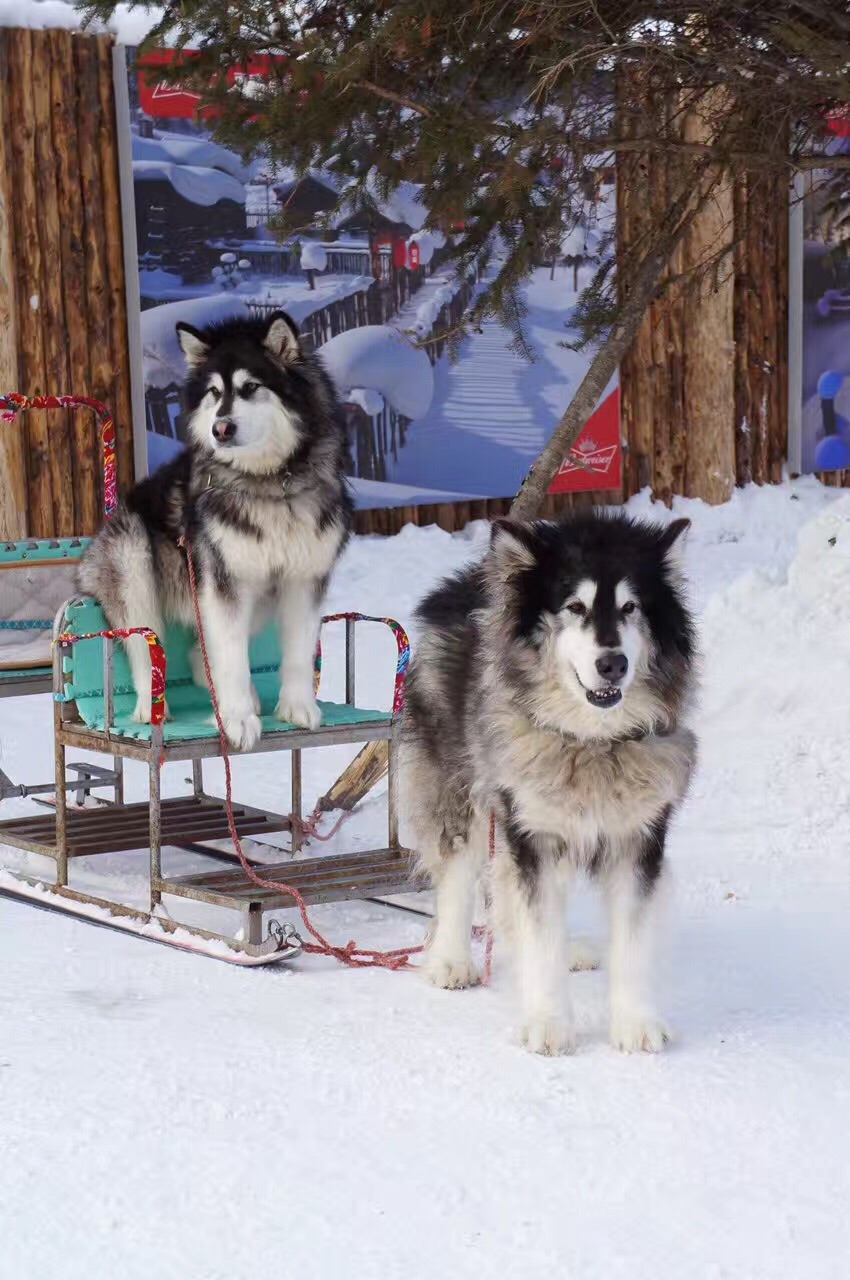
89 777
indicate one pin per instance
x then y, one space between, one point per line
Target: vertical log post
13 474
29 274
51 308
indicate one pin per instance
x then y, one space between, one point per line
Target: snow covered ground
166 1116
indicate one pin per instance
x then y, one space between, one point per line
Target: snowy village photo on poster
367 288
819 299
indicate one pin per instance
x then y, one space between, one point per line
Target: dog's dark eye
628 607
248 388
214 392
577 608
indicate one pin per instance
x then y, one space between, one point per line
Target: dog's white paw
300 709
451 974
142 712
243 730
551 1036
636 1032
584 954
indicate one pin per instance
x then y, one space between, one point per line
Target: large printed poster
821 219
368 289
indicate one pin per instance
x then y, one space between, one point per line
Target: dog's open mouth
606 697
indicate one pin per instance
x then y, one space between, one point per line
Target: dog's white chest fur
580 792
290 544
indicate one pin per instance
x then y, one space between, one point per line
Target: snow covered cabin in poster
366 291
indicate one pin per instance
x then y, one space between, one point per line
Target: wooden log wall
63 323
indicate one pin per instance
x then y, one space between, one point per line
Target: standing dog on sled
260 494
549 688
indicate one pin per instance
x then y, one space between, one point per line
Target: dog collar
283 476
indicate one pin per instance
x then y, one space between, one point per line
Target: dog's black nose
612 666
224 430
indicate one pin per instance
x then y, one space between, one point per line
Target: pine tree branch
391 96
670 146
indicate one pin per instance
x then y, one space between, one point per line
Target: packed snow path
492 410
167 1117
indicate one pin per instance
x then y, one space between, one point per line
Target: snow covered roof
403 205
200 186
129 24
287 178
376 358
189 151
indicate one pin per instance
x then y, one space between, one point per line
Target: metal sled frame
198 818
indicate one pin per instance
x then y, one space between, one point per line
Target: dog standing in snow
550 687
261 495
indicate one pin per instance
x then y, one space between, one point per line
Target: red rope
13 402
351 955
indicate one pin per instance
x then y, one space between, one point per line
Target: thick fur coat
551 687
260 495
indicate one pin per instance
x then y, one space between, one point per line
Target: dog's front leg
537 884
227 631
300 620
455 872
633 901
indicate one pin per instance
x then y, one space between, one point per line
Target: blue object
832 453
829 384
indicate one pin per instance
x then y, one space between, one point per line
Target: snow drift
165 364
375 358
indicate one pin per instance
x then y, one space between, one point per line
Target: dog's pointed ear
193 344
672 543
281 340
511 545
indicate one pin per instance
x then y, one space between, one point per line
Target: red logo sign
413 255
171 101
595 461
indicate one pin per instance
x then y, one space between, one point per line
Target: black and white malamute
550 686
260 493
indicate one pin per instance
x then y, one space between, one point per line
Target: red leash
351 955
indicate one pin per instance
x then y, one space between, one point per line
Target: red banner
171 101
595 462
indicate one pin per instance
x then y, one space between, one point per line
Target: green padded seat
189 707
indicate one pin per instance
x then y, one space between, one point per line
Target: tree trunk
710 375
13 467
